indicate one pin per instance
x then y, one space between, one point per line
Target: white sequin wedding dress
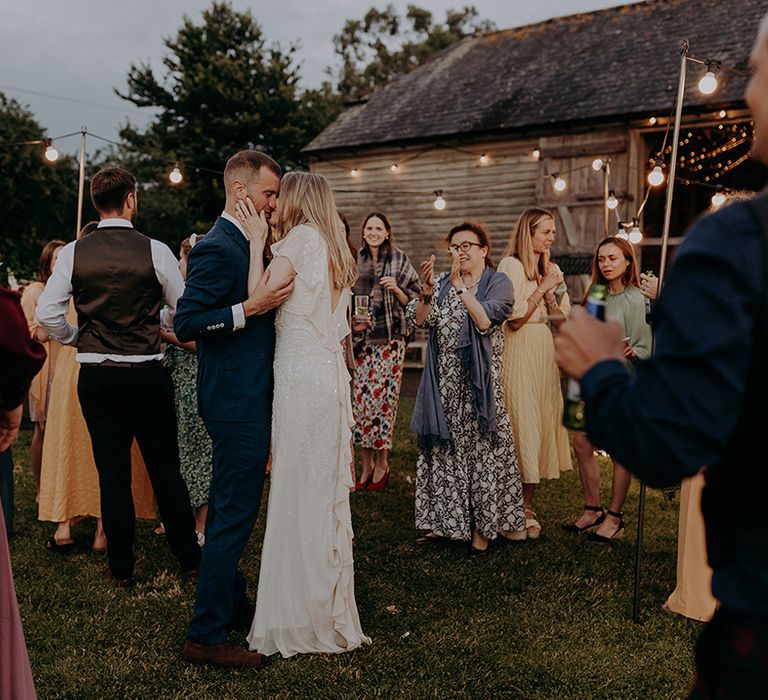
306 595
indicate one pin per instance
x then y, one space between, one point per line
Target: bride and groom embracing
282 373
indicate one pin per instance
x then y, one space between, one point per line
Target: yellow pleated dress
69 482
532 391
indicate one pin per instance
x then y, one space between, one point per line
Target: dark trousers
6 488
240 452
732 659
120 403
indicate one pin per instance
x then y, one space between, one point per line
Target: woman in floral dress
388 279
195 450
467 478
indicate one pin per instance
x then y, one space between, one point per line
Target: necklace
470 286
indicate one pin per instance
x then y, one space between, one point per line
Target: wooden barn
487 126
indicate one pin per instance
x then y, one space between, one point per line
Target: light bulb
635 235
51 154
354 172
439 201
708 84
656 176
622 234
559 184
718 199
175 176
483 159
652 121
597 164
611 202
722 114
393 168
536 154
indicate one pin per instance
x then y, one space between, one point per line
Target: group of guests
489 408
61 457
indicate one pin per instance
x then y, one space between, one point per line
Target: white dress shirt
54 301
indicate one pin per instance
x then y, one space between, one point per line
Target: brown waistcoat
117 294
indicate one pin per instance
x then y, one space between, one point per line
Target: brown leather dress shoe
225 654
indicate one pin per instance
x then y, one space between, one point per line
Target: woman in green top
615 266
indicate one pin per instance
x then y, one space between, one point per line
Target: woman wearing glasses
387 279
467 479
531 378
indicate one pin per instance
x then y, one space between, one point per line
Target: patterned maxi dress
195 450
476 483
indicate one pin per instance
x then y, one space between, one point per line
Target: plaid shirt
387 313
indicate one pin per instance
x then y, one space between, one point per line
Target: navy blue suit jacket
234 378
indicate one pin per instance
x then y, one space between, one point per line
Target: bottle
648 309
573 410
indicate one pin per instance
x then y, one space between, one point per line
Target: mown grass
535 620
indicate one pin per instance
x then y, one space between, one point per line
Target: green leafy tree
223 89
383 44
39 200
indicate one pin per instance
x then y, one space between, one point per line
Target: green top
628 308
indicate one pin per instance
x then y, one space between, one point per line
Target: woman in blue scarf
467 478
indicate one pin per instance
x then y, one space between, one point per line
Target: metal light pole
81 179
662 271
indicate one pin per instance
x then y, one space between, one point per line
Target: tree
383 45
39 200
223 90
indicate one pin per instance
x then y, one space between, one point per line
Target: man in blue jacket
702 400
235 337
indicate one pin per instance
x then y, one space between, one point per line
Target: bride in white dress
306 594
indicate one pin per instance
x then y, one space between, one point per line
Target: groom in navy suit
235 336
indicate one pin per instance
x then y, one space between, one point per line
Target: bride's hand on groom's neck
254 223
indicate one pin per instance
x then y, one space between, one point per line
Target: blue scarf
496 295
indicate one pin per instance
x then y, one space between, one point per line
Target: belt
113 363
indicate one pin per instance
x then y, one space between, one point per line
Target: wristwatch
461 290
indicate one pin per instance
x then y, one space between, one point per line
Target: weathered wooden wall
493 193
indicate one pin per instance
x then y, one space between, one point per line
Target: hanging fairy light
354 172
393 168
176 177
722 114
652 121
51 154
621 233
536 154
612 202
635 235
484 159
718 199
656 176
558 183
597 164
708 84
439 201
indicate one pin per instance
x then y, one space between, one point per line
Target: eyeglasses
465 247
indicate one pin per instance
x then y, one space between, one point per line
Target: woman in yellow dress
531 378
38 390
69 482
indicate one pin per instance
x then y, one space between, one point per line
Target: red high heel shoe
379 485
363 485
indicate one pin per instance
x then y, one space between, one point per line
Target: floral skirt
376 391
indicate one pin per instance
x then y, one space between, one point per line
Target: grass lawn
540 619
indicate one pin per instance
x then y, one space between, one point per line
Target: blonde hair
520 244
306 198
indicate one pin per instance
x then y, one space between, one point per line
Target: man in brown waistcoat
119 279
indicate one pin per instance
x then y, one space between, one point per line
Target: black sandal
618 533
573 527
53 546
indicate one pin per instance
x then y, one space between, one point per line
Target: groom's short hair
250 162
110 187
